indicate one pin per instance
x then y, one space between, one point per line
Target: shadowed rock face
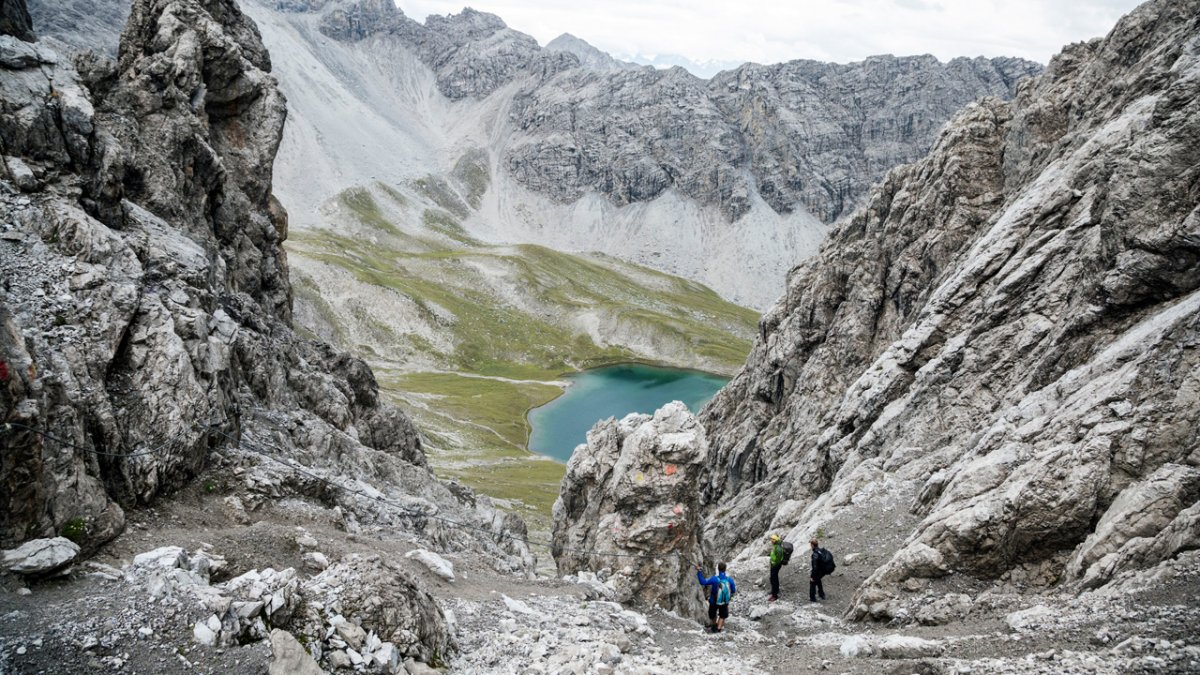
1005 336
146 311
630 491
15 21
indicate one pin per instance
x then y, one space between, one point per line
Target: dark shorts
713 610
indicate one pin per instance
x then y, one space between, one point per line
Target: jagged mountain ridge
589 56
651 158
726 181
474 54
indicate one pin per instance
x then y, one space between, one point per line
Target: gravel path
94 620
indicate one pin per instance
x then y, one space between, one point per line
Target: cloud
768 31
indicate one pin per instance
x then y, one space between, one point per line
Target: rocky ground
115 613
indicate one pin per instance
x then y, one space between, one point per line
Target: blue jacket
715 585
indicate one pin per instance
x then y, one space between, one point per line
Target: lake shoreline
688 377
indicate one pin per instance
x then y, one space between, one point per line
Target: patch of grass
392 193
75 529
529 480
437 190
444 223
495 404
363 206
472 173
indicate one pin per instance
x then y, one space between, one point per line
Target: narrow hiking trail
104 618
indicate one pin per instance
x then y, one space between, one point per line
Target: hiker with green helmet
721 591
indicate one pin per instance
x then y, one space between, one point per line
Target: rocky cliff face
145 313
802 135
629 494
999 349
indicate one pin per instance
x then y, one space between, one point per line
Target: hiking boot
772 598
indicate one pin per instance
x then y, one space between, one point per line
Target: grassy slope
513 317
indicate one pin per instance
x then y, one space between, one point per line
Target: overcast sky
770 31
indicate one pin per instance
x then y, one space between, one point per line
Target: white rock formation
39 556
433 562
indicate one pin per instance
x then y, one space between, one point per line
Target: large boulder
362 597
289 657
40 556
629 503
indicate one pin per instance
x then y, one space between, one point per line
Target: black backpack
787 552
825 564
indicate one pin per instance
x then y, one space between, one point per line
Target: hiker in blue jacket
721 590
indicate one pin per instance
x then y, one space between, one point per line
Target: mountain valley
281 279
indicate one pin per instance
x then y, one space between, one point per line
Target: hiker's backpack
723 591
787 552
825 564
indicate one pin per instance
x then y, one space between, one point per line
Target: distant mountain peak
589 56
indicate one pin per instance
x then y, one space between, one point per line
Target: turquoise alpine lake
613 391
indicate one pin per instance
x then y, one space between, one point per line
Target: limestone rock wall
1003 337
145 314
804 135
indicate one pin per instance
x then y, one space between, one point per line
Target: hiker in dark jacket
721 590
815 573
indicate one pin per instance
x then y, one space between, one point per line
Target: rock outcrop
1002 341
630 493
145 315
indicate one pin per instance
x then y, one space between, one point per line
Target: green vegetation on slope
507 322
